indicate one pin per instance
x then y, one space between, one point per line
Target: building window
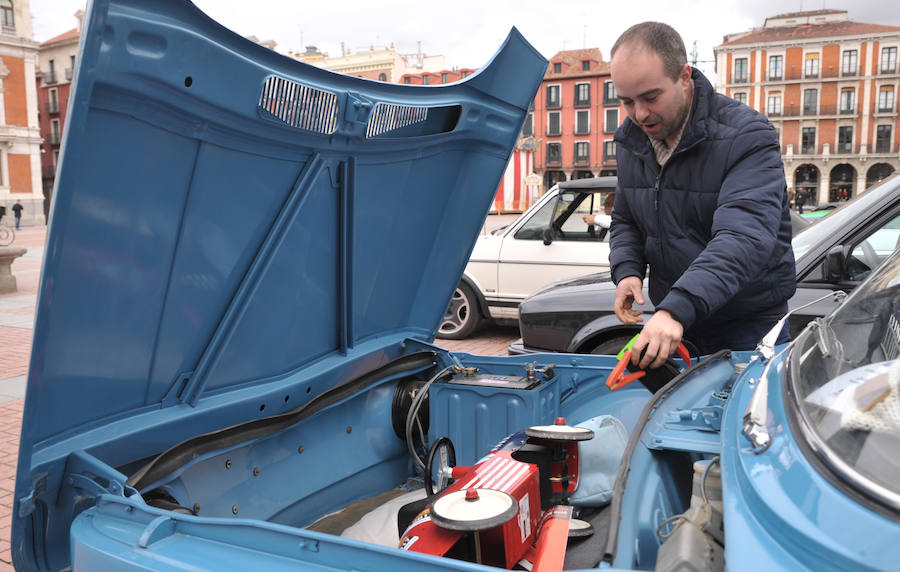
609 94
528 126
553 124
888 60
849 62
740 70
464 74
426 80
582 94
406 80
773 104
811 65
553 99
612 121
845 139
554 153
51 73
557 67
54 131
7 16
609 151
582 122
810 101
808 141
445 78
883 139
586 65
582 152
886 98
53 104
740 97
776 67
382 77
848 100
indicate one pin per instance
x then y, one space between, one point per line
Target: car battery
478 411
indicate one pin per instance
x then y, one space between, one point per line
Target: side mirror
547 236
834 264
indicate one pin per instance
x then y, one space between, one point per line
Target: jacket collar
634 139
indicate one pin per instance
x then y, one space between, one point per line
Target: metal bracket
38 486
707 418
86 473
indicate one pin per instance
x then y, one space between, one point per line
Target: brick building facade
56 64
20 178
829 86
576 113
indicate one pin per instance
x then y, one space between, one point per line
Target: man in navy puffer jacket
701 201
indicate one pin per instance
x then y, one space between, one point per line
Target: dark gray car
836 253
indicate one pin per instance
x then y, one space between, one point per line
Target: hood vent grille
388 117
299 105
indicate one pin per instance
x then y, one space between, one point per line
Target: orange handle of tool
617 379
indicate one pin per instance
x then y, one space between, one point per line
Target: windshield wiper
754 420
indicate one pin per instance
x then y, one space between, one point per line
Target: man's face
654 101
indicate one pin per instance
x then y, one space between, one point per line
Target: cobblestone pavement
16 327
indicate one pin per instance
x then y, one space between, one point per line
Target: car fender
479 294
601 329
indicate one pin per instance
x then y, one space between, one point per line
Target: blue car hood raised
225 215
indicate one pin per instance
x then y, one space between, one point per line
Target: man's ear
684 76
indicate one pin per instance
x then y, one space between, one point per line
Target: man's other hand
628 291
660 336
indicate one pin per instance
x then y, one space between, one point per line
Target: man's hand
661 336
628 291
588 219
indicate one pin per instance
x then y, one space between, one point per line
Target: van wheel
462 317
611 346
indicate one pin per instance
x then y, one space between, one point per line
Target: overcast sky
468 32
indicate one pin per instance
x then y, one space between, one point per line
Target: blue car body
247 263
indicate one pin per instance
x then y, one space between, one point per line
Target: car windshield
839 218
845 376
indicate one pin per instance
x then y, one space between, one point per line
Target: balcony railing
50 77
741 79
848 73
48 171
581 160
551 132
844 149
583 102
52 107
53 138
68 74
888 69
847 111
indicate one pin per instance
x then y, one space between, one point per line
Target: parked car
549 242
836 253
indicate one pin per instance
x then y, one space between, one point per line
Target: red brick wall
14 98
19 173
831 61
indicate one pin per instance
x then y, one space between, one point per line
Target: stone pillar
824 191
7 255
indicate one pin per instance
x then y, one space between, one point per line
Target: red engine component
492 513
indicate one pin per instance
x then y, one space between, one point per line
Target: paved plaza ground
16 329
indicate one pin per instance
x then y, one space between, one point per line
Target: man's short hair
659 38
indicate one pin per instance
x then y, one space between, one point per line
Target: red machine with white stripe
508 507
